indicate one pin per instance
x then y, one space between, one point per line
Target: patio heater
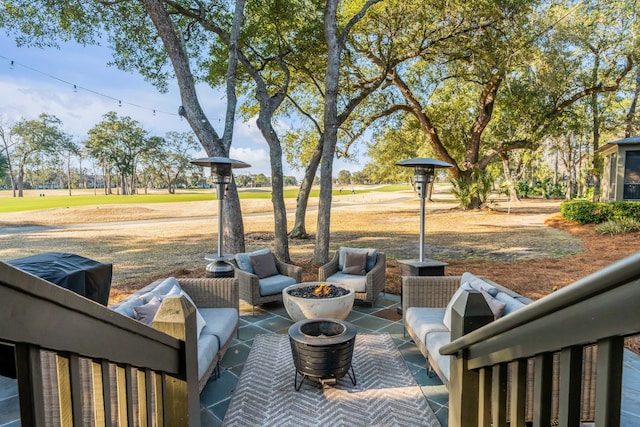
221 177
423 175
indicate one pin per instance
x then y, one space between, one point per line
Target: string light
76 88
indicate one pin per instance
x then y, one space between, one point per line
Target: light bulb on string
11 65
119 103
75 88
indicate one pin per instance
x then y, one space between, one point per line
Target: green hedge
586 212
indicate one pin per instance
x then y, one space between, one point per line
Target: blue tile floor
272 318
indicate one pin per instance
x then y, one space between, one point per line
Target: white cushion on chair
349 281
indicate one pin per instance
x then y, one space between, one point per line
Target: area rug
386 393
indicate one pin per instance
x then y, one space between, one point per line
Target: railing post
469 312
177 317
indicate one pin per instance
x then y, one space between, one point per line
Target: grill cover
84 276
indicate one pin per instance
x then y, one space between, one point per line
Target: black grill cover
81 275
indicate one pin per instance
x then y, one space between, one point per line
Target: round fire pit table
322 350
301 303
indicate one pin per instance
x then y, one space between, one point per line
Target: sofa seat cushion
435 341
423 320
349 281
208 347
220 322
275 284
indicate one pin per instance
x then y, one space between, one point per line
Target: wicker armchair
374 279
250 284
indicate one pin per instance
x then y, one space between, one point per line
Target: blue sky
42 80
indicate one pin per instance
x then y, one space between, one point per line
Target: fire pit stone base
333 307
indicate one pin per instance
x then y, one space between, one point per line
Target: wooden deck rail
597 311
79 363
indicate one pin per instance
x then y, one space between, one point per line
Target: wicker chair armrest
428 291
329 268
377 276
289 270
212 292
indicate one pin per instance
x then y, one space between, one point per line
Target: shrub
618 226
586 212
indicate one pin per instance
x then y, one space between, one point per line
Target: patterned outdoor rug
386 393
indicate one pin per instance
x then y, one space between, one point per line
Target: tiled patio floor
273 318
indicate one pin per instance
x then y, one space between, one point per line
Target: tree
7 144
34 137
160 44
170 157
490 82
344 177
120 141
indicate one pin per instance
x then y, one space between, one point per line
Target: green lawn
18 204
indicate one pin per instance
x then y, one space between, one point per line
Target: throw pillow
355 263
497 307
372 256
264 265
244 259
145 313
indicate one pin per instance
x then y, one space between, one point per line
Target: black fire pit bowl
322 350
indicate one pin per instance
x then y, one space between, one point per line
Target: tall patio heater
221 177
423 174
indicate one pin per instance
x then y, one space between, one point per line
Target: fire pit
322 350
317 300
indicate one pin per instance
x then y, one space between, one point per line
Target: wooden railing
491 365
79 363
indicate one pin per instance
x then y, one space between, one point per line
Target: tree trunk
281 242
321 250
630 128
513 194
192 111
299 230
20 181
597 159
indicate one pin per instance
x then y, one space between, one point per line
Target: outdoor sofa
427 301
217 312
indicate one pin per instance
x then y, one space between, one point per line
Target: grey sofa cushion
478 284
275 284
424 320
434 341
372 256
219 322
126 307
244 259
208 347
512 304
349 281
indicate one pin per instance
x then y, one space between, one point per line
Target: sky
76 84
